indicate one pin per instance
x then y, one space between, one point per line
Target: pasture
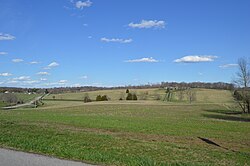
202 95
208 131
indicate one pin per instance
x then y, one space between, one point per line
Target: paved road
15 158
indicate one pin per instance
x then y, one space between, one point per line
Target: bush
86 98
102 98
134 97
127 91
131 96
99 98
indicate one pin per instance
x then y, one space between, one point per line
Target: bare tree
180 95
9 98
191 95
143 95
242 81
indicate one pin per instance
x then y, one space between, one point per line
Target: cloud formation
116 40
62 81
43 79
84 77
42 73
148 60
53 64
17 60
81 4
3 53
34 62
5 74
59 83
22 78
148 24
228 65
196 59
6 37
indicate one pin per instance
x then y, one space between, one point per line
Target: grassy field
133 133
2 104
202 95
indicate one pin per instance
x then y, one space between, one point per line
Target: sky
115 43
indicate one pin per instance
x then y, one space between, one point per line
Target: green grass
112 94
131 133
2 104
202 95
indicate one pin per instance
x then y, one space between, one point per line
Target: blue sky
128 42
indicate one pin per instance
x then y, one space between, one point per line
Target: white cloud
62 81
53 64
34 62
5 74
76 85
12 82
228 65
196 59
81 4
22 78
59 83
43 79
150 60
31 82
42 73
17 60
6 37
3 53
117 40
90 37
148 24
84 77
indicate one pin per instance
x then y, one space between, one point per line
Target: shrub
134 97
102 98
131 96
99 98
86 98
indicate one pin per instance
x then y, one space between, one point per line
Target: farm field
208 131
202 95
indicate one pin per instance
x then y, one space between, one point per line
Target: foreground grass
130 134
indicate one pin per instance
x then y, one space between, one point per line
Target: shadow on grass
226 112
227 117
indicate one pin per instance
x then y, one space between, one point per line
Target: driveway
16 158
